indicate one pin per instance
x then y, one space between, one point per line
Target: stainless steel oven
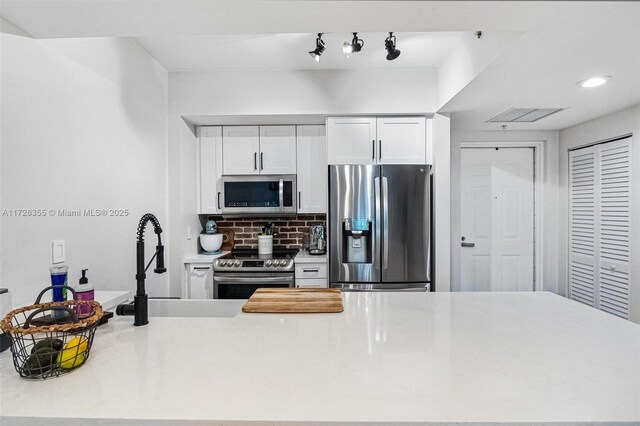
238 274
259 195
227 285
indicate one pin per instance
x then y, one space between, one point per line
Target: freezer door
406 228
354 204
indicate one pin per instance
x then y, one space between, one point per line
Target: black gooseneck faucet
139 308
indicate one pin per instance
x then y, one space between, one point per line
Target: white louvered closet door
599 195
615 192
582 223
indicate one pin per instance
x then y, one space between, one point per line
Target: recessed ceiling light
594 81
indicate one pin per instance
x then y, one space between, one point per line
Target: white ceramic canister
265 244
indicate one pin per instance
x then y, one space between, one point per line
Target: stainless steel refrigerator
379 227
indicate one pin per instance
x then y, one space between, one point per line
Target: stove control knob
236 263
283 263
268 263
222 263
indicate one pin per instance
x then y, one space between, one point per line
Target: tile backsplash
289 230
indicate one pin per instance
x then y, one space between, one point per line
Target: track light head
320 47
390 45
353 47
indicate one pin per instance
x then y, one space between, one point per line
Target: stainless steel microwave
259 195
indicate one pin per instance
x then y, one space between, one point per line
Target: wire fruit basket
48 339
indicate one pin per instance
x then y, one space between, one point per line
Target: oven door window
243 285
242 291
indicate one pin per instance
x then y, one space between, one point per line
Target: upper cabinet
252 150
351 140
277 150
381 140
209 169
241 149
312 169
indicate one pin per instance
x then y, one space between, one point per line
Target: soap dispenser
84 291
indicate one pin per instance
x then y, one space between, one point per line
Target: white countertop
303 256
203 258
390 357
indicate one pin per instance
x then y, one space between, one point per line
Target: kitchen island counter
389 357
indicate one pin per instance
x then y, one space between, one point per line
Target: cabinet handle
311 270
200 268
218 200
380 150
255 161
299 198
373 150
262 161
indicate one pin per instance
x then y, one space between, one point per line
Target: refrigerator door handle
385 212
376 239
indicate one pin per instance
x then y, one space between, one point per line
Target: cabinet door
240 150
312 169
200 281
277 150
351 140
209 170
401 140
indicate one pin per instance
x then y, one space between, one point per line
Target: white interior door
497 244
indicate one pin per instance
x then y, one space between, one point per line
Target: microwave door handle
281 193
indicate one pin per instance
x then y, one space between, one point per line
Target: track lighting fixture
315 54
353 47
390 45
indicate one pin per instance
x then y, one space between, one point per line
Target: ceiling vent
523 115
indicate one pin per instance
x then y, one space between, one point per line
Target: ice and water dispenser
357 241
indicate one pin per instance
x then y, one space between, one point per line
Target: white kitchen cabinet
198 283
209 169
277 154
311 151
401 140
351 140
381 140
240 150
253 150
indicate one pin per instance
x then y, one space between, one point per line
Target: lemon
73 353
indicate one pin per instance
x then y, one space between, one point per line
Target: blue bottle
59 275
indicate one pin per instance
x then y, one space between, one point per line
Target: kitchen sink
194 308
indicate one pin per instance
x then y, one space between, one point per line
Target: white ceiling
290 51
562 42
542 67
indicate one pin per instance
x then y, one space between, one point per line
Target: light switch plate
57 251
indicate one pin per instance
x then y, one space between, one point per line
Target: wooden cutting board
294 300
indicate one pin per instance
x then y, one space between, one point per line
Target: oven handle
224 280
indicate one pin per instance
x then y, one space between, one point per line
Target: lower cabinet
198 283
311 275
